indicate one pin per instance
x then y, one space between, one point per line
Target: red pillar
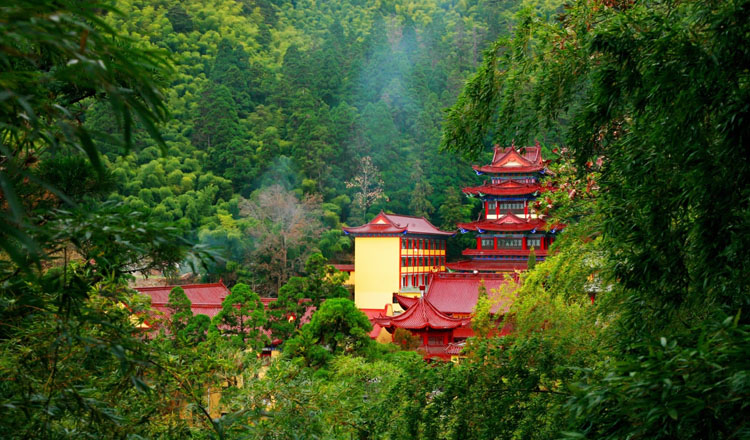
526 208
524 246
486 209
497 209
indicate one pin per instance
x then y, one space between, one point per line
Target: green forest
233 139
335 108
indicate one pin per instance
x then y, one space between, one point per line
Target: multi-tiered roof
508 228
441 318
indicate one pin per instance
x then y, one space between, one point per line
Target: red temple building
508 228
204 299
207 299
441 318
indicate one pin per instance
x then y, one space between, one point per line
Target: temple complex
400 260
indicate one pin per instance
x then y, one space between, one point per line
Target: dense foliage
337 104
289 118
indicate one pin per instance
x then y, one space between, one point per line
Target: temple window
509 243
514 207
488 243
533 242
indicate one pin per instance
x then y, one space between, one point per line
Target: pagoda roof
508 222
392 224
405 301
457 293
506 188
422 315
510 160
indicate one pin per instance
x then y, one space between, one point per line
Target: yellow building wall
376 263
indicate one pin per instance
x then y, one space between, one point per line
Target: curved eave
504 227
374 229
508 170
391 325
428 234
422 315
494 190
405 301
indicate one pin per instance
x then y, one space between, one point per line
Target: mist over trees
136 137
302 95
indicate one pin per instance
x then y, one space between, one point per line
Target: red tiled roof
397 224
344 267
454 348
405 301
420 316
206 299
510 160
372 314
457 293
417 225
506 188
508 222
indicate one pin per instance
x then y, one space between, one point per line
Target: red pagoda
508 229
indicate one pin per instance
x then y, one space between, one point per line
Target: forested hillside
134 141
338 103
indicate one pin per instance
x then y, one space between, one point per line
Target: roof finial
536 143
